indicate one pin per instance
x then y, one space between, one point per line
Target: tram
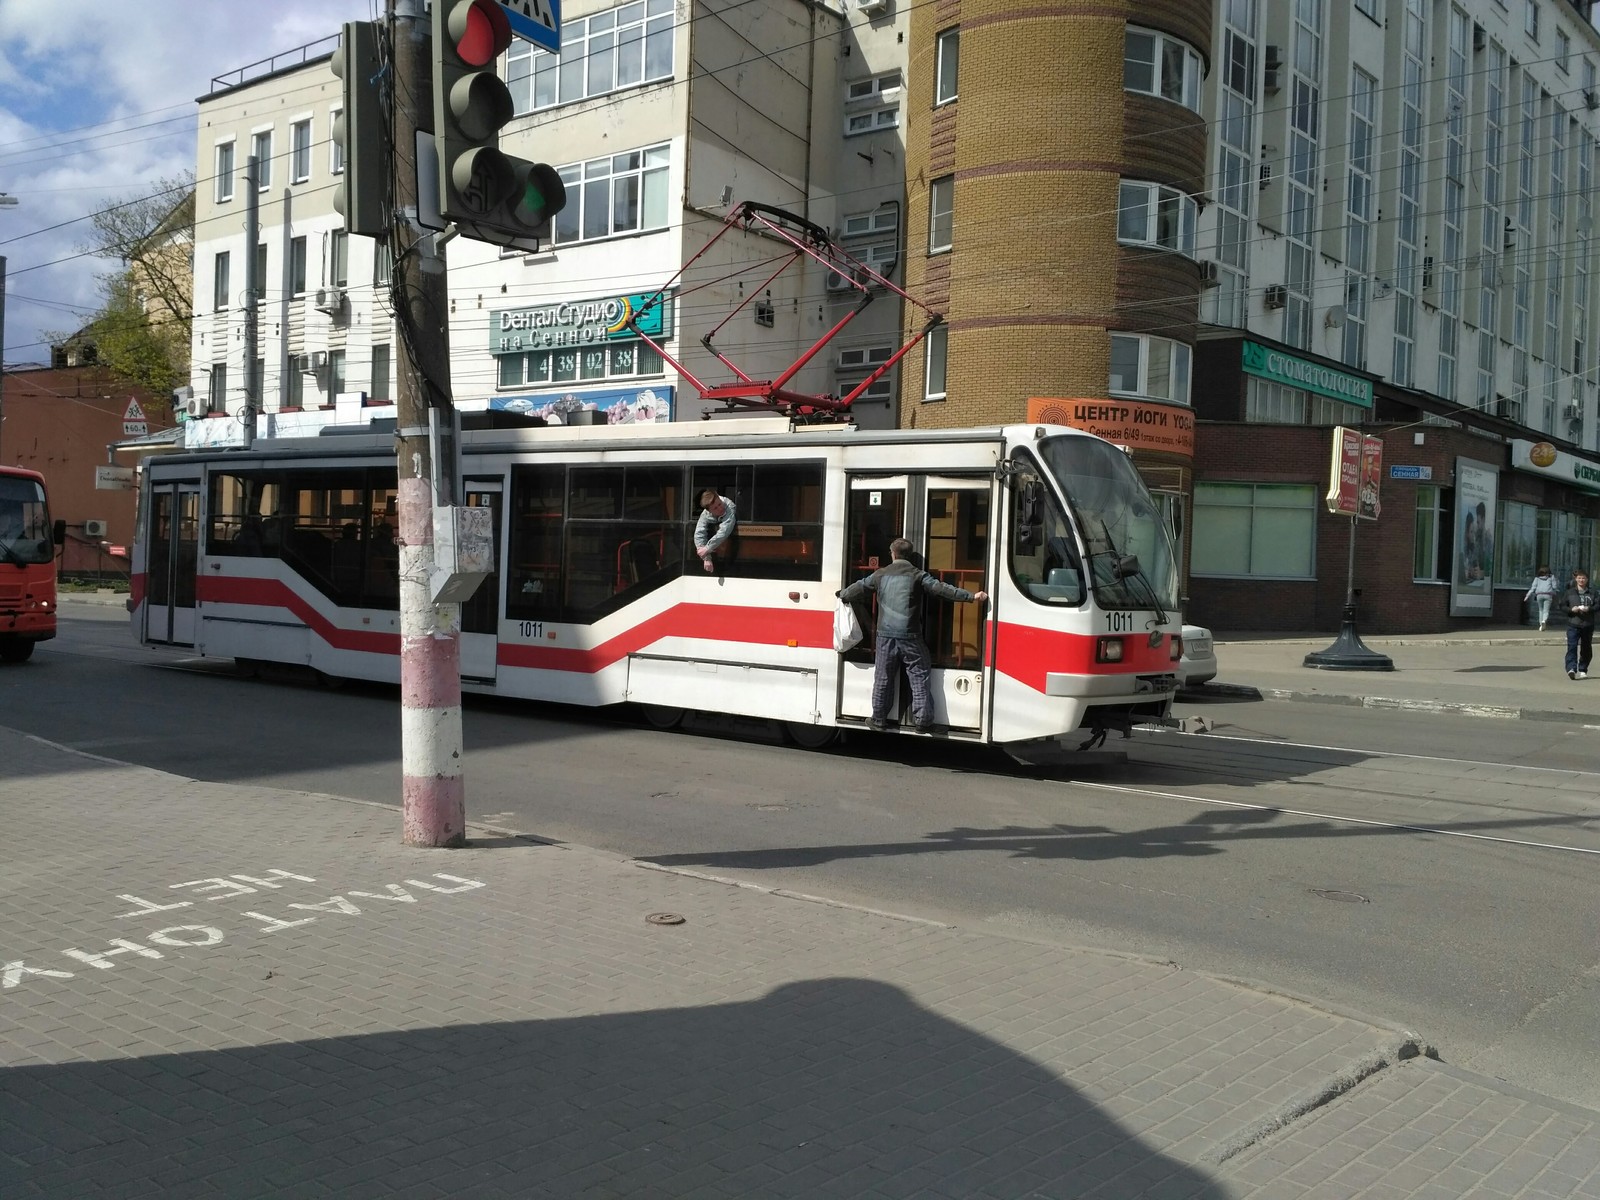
286 553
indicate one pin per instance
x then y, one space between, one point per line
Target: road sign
536 21
135 429
1398 472
133 412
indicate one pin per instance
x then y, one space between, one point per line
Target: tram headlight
1177 647
1108 650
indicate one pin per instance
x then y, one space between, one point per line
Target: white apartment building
659 122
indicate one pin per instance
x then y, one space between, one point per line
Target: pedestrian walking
899 588
1543 591
1579 602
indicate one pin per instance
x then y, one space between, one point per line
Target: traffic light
361 131
490 195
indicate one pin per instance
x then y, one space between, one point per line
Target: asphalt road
1435 872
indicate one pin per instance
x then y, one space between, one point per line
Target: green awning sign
1308 376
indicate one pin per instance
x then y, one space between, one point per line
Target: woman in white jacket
1543 590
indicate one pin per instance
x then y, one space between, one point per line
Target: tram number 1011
535 629
1119 622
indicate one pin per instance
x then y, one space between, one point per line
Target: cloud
97 102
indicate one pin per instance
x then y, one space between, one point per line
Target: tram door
947 520
171 558
480 615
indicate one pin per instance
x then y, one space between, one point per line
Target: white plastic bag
846 629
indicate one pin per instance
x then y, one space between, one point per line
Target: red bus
28 542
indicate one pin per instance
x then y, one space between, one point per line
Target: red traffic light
479 30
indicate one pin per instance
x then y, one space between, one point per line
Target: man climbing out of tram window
715 526
900 587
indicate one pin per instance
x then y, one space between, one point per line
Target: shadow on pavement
1204 834
827 1088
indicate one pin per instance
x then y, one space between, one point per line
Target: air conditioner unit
1574 412
319 359
872 8
196 407
96 529
1480 38
1508 408
1276 296
1272 66
301 363
1591 100
1427 271
1266 175
838 282
1209 277
330 300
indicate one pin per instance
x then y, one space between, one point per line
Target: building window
1563 51
1516 535
336 374
1530 19
261 270
1154 368
1255 530
220 288
1154 64
938 346
626 359
941 214
297 266
339 258
1151 214
1237 170
295 396
382 263
1430 541
949 58
300 151
621 47
856 364
1370 8
261 150
872 104
218 397
625 193
224 172
1304 192
378 387
335 146
1358 217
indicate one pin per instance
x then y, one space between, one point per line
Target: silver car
1199 661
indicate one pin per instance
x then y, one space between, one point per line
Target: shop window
1255 530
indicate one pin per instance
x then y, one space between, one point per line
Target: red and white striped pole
433 793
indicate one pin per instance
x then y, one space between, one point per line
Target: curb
1494 711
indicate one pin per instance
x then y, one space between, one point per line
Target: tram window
238 504
538 506
779 508
596 492
1044 554
381 586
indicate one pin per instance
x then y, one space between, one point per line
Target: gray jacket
899 587
710 532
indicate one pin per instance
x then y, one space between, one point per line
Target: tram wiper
1126 567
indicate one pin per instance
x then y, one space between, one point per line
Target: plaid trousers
891 652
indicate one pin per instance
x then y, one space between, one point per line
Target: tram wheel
659 716
810 737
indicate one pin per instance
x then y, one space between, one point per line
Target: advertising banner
1137 424
1472 572
1354 475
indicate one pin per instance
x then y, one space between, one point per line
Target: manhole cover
664 919
1341 897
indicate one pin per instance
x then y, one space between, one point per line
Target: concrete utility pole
252 236
434 793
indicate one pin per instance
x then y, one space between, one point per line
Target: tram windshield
1131 563
24 523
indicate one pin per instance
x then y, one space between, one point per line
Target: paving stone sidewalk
221 991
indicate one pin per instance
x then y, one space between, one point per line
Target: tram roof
748 432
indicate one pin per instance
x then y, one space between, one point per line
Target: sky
97 103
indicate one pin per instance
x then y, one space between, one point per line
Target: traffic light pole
433 789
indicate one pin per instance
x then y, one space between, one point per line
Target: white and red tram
285 553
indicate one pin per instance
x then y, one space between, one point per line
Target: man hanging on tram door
715 526
899 588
